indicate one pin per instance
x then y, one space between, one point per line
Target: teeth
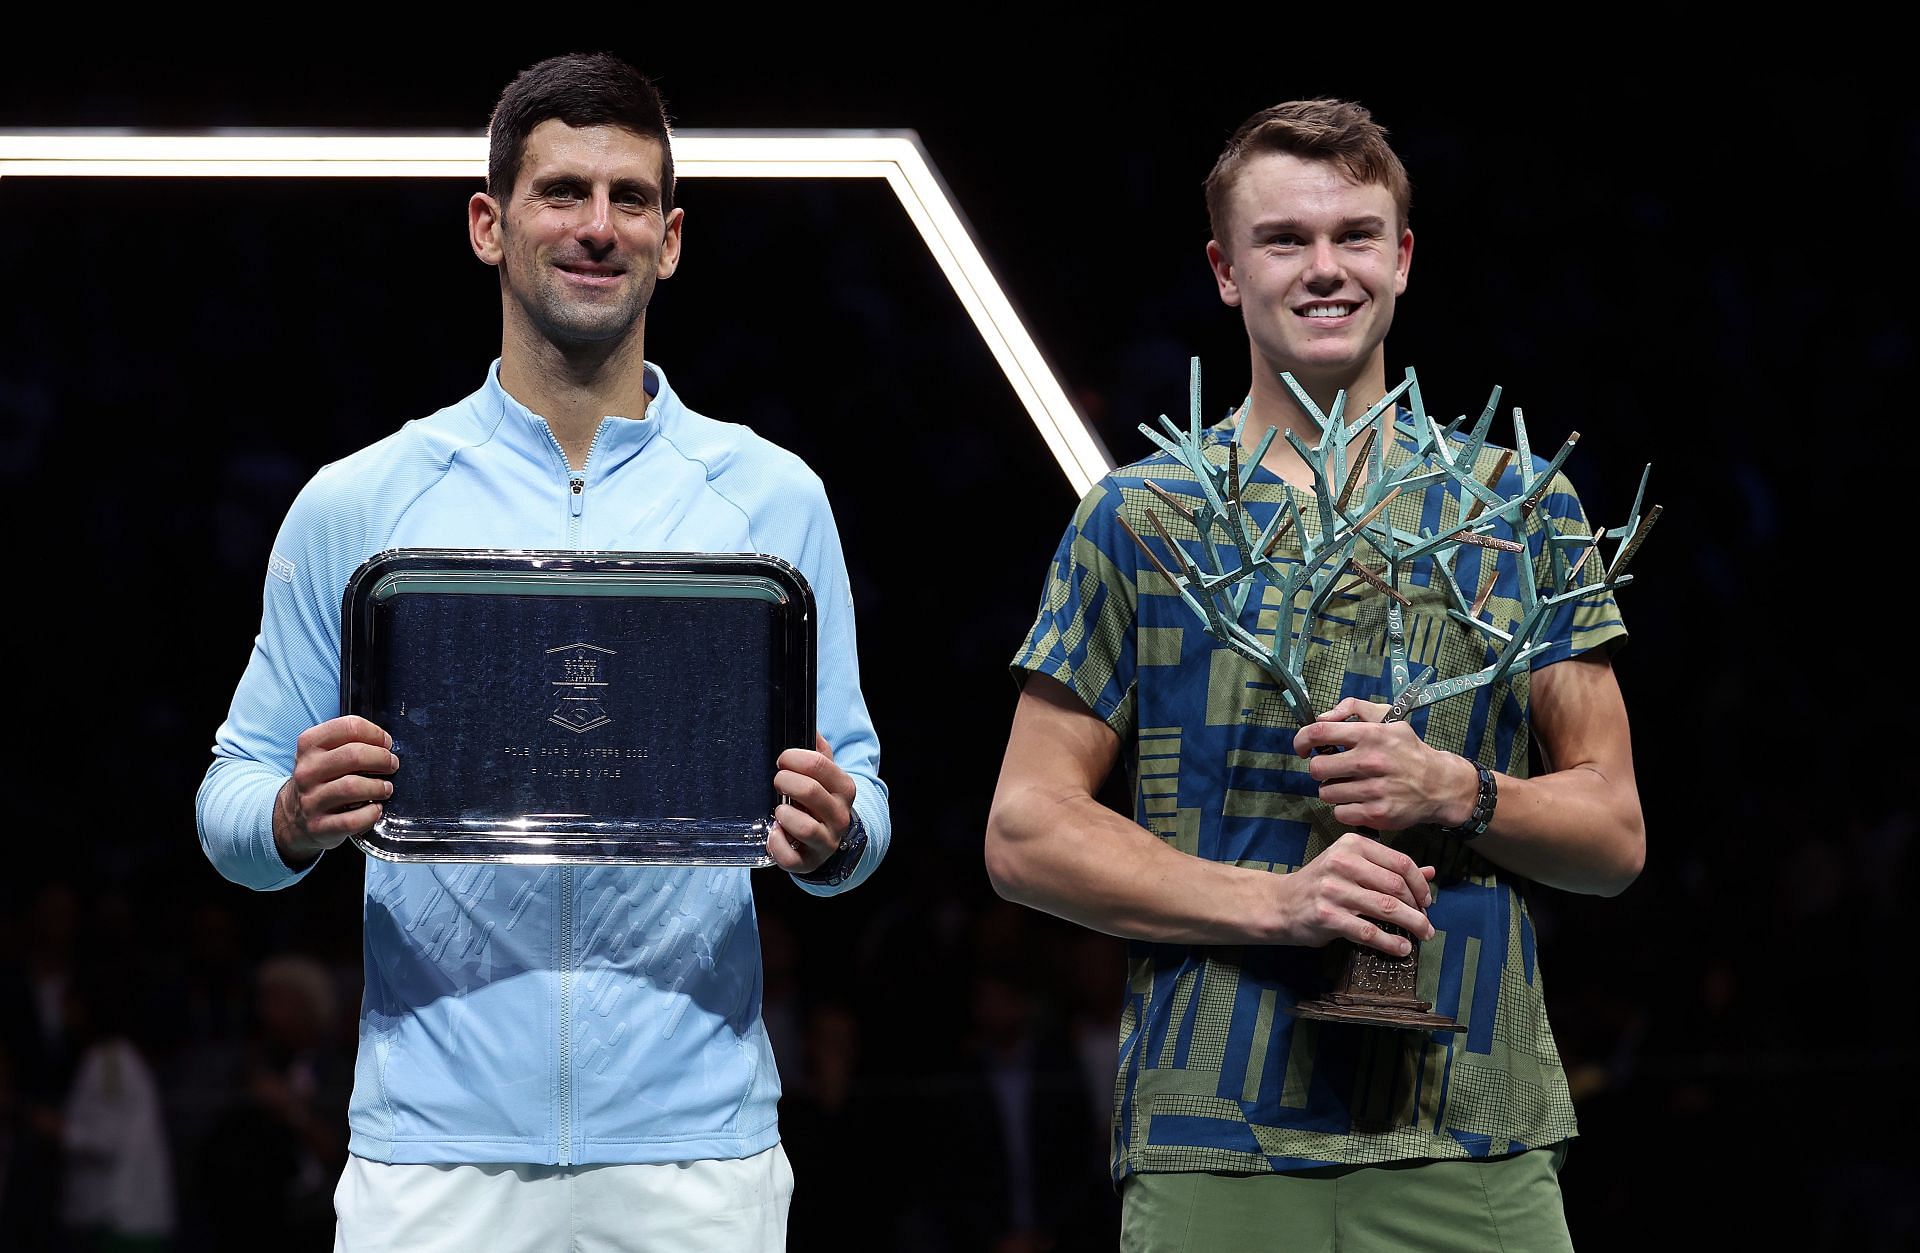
1329 311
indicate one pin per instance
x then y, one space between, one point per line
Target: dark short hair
1337 131
580 89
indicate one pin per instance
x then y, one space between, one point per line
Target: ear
1403 263
1222 266
670 244
483 227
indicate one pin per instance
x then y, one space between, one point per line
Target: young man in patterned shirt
1236 1124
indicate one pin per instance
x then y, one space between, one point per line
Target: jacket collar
617 440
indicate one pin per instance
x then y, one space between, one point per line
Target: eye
562 191
1283 239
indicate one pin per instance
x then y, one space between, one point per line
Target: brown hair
1325 129
590 89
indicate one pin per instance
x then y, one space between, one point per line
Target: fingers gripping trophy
1365 536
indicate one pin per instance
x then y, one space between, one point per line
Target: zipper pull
578 499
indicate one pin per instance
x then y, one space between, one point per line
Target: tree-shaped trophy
1346 543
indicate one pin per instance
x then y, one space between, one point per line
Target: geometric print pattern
1214 1073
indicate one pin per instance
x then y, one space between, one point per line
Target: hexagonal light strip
896 156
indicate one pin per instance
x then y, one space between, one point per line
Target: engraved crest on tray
579 687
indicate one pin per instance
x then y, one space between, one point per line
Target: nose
595 225
1324 270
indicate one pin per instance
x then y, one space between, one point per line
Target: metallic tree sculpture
1339 555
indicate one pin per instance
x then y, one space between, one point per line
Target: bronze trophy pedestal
1377 990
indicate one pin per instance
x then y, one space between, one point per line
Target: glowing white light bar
896 156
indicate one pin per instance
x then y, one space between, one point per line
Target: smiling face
1314 261
580 239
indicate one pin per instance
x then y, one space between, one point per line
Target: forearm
1577 825
291 682
809 538
235 810
1051 845
1576 829
1075 858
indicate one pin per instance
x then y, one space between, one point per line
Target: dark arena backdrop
1700 274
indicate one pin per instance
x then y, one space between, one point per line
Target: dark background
1705 270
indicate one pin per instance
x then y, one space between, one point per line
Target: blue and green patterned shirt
1215 1074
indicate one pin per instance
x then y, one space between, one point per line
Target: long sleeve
291 683
841 708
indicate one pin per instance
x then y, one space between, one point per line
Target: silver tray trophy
579 707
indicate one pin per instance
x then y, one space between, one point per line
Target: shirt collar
617 439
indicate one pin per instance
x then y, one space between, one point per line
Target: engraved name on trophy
1355 547
561 707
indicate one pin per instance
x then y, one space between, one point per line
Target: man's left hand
1384 777
819 809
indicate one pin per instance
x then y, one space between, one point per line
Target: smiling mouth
590 271
1327 310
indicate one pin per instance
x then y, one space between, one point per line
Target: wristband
1476 824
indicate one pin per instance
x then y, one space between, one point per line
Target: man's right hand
330 795
1354 883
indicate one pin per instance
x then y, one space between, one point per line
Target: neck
575 386
1271 405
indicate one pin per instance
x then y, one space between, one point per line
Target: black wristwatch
839 867
1476 824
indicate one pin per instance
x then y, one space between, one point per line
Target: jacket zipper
576 506
576 490
566 1015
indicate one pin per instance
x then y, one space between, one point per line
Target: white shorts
737 1206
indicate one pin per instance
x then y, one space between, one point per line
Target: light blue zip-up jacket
542 1014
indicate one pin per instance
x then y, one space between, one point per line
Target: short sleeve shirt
1215 1074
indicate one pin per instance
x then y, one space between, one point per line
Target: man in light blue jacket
551 1057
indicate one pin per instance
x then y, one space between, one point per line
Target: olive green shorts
1481 1205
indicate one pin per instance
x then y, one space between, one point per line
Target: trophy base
1375 990
1369 1012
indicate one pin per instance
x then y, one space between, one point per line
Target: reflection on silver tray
551 707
